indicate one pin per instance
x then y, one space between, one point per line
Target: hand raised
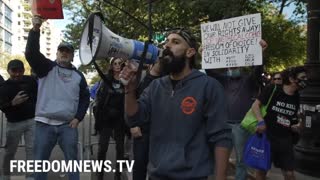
263 44
128 74
36 22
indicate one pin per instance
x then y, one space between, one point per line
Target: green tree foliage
300 7
286 38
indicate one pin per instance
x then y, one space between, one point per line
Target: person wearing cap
18 97
188 128
63 99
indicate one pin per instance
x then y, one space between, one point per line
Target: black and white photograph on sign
232 42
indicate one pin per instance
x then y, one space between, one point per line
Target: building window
7 48
7 23
7 12
7 37
1 36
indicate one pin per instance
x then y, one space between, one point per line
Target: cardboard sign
232 42
47 9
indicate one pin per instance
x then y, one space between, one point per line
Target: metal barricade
22 142
88 143
88 140
3 127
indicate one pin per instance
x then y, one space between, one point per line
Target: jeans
14 133
239 138
47 136
141 157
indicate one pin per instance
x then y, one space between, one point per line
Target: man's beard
65 61
171 64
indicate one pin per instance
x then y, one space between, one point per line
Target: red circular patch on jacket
188 105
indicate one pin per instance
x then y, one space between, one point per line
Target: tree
300 6
286 39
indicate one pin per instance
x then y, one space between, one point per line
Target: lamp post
307 151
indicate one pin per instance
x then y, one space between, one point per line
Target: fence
85 142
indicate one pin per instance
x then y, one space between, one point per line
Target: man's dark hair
291 72
189 38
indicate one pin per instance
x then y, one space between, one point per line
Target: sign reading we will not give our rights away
232 42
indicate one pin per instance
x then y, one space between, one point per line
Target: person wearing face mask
281 120
241 90
63 99
186 113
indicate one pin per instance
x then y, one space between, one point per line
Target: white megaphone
98 42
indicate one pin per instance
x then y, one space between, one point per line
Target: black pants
104 138
141 157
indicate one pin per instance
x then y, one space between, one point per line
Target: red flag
47 9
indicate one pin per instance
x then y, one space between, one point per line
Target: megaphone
98 42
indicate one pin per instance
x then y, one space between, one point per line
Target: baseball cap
15 64
186 35
66 45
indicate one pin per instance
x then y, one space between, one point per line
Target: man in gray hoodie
187 113
63 99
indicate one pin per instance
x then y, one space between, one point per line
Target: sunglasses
277 78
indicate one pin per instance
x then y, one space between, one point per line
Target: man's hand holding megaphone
128 76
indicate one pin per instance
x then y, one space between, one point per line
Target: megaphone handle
103 77
143 60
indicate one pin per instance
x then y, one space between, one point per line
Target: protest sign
47 9
232 42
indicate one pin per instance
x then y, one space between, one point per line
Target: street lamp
307 151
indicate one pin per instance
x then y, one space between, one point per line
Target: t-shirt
281 112
117 95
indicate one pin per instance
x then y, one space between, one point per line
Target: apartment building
6 26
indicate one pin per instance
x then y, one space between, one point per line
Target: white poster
232 42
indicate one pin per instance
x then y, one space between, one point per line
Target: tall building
15 23
6 20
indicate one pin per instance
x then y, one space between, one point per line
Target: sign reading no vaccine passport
47 9
232 42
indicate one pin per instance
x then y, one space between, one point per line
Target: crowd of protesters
184 123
